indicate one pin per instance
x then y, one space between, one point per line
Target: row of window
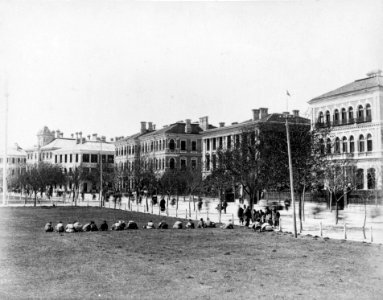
159 164
344 116
345 145
86 158
14 160
214 143
371 179
155 146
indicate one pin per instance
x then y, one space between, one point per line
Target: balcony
335 123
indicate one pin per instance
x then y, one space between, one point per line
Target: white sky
104 66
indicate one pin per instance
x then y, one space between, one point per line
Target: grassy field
176 264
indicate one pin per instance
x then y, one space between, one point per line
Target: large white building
71 152
354 113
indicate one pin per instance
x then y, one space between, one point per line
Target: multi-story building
174 146
225 137
354 115
16 160
71 152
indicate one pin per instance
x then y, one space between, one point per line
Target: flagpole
5 164
290 168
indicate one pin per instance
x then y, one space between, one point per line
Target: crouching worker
163 225
132 225
177 225
69 228
77 226
190 224
91 226
228 225
257 225
48 227
266 227
60 227
150 225
120 225
210 224
104 226
201 223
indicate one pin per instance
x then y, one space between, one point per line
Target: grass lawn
175 264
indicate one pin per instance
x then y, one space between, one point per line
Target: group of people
269 218
75 227
121 225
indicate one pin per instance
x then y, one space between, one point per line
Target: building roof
177 128
14 150
67 144
357 85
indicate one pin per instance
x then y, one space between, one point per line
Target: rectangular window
228 141
110 159
55 159
220 142
207 162
85 158
194 164
207 144
183 145
214 143
70 158
61 158
194 146
76 157
66 158
103 158
183 164
214 158
93 158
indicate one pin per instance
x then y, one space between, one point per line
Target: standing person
162 204
247 214
224 206
240 214
275 216
199 205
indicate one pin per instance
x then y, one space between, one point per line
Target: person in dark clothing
48 227
224 206
247 214
163 225
132 225
199 205
240 214
162 204
104 226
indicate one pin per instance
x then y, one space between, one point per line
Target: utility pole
101 173
5 165
291 175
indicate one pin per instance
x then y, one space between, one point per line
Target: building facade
354 115
16 161
71 153
175 146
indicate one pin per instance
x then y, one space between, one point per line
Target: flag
287 93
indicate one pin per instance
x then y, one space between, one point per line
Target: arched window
360 112
368 112
352 145
320 118
328 117
371 179
337 145
172 145
369 142
328 146
361 143
171 163
350 114
359 179
322 146
336 116
344 116
344 145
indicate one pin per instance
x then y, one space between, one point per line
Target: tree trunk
303 202
193 202
220 205
190 205
330 201
34 204
147 204
365 218
336 212
300 213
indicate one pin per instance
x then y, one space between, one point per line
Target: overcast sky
104 66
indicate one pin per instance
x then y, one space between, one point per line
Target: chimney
94 137
204 123
285 114
57 134
103 138
143 127
188 127
296 113
150 126
112 139
221 124
154 126
80 137
234 123
61 134
72 135
76 135
263 112
82 140
88 136
255 114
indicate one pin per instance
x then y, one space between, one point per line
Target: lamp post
291 175
5 165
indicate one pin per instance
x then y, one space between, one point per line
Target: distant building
71 152
174 146
16 160
354 112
